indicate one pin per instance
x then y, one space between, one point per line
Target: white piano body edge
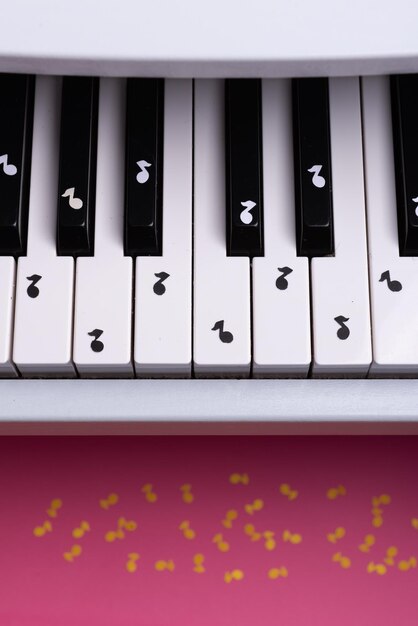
247 407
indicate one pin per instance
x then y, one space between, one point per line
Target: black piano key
312 167
243 164
16 126
144 166
77 166
404 97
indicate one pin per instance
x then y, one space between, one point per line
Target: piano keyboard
241 228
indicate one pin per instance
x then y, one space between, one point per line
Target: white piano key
393 279
340 296
163 284
281 309
7 294
44 285
103 294
222 328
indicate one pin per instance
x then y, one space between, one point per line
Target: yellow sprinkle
334 492
187 531
377 522
249 529
68 557
286 490
236 479
270 544
160 566
293 538
376 511
368 542
379 568
186 487
385 499
344 561
56 504
257 505
338 533
150 496
409 564
40 531
276 572
414 523
133 556
223 546
131 566
76 550
51 512
198 561
111 500
130 526
236 574
230 516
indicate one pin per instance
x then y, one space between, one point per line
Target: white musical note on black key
318 181
246 216
8 168
75 203
416 208
143 174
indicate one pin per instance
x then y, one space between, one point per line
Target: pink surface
38 586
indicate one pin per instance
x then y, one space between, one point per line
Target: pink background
37 586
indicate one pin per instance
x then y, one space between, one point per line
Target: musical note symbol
224 335
318 181
281 282
159 288
8 168
393 285
344 331
245 216
75 203
143 174
416 208
32 290
96 346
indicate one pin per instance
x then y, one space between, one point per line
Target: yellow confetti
338 533
187 495
377 522
277 572
249 530
40 531
390 554
368 542
230 516
334 492
81 530
404 566
160 566
111 500
287 491
223 546
379 568
344 561
414 523
188 533
236 574
75 551
270 542
292 537
131 565
198 561
257 505
150 496
236 479
112 535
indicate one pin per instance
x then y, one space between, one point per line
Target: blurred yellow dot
56 504
377 522
414 523
39 531
131 566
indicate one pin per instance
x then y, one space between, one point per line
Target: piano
208 218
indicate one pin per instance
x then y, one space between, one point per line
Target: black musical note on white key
96 346
224 335
32 290
393 285
8 168
344 331
159 288
281 282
